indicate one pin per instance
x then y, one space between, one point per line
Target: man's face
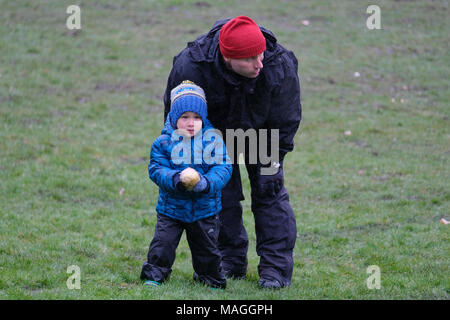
190 123
247 67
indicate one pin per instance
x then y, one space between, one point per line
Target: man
250 82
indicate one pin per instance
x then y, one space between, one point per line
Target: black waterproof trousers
202 239
275 226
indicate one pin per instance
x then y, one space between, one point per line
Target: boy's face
190 123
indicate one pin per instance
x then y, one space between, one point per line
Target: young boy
189 193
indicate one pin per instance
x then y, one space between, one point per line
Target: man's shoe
269 284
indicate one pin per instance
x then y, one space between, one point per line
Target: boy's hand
178 184
202 185
189 177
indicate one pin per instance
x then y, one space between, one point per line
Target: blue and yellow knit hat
187 97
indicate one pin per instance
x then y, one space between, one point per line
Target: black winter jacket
270 101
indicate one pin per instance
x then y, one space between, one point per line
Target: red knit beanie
241 38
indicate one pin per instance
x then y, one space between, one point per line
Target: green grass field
80 110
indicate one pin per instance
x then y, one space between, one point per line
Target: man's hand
270 185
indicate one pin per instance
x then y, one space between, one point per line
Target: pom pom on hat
241 38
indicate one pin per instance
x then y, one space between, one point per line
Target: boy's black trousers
202 237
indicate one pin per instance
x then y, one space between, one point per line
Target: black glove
270 185
271 188
178 184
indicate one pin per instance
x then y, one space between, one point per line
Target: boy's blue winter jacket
188 206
